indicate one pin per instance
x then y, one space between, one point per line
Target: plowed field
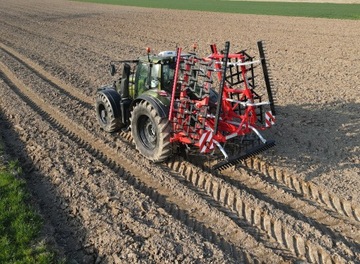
104 203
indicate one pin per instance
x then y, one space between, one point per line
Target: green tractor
204 105
140 100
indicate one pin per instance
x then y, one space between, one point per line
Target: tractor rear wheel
105 113
150 132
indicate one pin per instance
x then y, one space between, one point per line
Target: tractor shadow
317 139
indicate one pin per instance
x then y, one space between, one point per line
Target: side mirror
112 69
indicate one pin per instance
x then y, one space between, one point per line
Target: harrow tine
238 159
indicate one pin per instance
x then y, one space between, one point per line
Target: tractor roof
157 59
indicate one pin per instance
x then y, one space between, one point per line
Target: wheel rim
147 132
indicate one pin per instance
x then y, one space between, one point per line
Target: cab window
142 77
168 77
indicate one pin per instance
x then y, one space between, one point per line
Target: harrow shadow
317 140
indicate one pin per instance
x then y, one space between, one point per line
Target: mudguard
114 98
161 108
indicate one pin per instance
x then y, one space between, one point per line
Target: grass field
319 10
19 223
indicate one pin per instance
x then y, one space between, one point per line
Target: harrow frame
239 115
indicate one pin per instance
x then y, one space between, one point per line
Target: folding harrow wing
218 109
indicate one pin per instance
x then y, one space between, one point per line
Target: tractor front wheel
150 132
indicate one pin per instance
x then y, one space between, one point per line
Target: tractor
208 106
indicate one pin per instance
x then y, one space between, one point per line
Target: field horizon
295 8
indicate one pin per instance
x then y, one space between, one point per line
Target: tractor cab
154 72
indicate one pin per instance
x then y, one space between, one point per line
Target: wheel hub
150 131
103 115
147 132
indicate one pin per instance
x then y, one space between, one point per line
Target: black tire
150 132
105 113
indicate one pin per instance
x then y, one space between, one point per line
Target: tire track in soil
297 251
306 189
342 234
199 216
274 225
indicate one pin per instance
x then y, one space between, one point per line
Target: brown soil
104 203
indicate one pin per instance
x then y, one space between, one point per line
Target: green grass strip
317 10
19 223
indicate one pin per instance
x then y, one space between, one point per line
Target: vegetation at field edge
318 10
19 223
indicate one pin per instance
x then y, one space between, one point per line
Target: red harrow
216 108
